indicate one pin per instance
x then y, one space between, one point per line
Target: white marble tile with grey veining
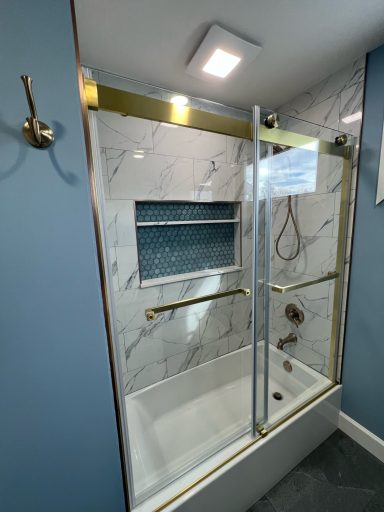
154 342
226 320
179 141
239 340
132 303
127 267
103 161
329 174
121 221
351 102
152 177
196 356
122 132
130 306
106 192
313 336
331 86
319 120
239 150
314 215
317 255
145 376
312 300
113 263
314 332
215 181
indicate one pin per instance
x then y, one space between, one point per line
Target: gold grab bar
151 313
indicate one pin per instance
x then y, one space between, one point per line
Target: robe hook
37 133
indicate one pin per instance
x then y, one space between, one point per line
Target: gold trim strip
189 487
128 103
283 289
340 261
151 313
91 94
296 140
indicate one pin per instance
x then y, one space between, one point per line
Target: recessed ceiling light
179 100
353 117
221 63
138 153
220 53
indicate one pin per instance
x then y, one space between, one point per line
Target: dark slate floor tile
263 505
345 463
299 492
376 504
339 476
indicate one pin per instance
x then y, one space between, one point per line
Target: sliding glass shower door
303 191
223 243
179 213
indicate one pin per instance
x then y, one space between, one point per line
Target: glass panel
304 184
187 371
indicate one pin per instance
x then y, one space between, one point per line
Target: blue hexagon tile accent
178 249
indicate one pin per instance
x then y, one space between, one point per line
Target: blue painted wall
363 369
58 437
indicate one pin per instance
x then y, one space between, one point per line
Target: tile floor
339 476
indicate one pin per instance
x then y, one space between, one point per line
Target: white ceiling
303 42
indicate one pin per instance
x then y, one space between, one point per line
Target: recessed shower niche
179 240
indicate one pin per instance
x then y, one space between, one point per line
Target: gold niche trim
102 97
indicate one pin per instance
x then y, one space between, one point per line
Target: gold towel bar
151 313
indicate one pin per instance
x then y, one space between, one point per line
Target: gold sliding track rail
151 313
102 97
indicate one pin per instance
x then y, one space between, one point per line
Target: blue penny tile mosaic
178 249
166 211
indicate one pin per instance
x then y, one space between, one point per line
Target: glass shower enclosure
223 244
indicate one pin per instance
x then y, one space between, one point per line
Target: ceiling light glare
138 153
353 118
179 100
221 63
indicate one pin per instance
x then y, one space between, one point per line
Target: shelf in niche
183 222
295 285
189 275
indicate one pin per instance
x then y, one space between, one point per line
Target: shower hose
289 213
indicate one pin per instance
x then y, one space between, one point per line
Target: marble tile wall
326 104
178 164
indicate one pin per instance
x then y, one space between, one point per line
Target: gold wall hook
37 133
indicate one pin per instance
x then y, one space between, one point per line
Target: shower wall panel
327 104
176 164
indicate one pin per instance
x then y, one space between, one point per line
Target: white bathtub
186 420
